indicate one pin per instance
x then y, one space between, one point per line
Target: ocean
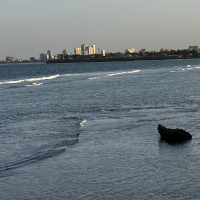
89 130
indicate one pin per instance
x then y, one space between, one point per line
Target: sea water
89 130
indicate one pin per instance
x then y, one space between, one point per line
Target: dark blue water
89 130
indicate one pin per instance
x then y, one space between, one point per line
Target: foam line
34 84
115 74
30 80
12 82
43 78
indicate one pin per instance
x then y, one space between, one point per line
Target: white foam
136 71
30 80
115 74
188 65
66 74
172 71
35 84
11 82
42 78
84 121
95 77
197 67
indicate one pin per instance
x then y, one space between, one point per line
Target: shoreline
80 60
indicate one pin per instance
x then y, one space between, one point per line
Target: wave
12 82
151 120
115 74
56 148
30 80
34 84
66 74
67 142
40 156
42 78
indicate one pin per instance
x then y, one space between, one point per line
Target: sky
31 27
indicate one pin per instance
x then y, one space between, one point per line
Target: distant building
193 47
77 51
88 50
163 49
44 57
103 53
65 52
93 49
83 46
132 50
198 50
33 59
86 53
10 59
50 54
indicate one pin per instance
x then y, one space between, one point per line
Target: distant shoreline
79 60
17 63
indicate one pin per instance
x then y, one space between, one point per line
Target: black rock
173 135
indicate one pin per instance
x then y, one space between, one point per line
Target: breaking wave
115 74
30 80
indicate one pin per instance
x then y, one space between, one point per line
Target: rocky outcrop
173 135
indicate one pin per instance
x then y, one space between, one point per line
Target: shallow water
89 130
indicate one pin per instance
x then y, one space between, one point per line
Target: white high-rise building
77 51
88 50
93 49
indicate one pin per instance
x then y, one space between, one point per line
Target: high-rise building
90 50
64 52
87 50
44 57
103 53
93 49
83 46
50 54
77 51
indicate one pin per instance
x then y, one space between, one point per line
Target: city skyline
32 27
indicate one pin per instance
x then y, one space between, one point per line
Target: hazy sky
31 27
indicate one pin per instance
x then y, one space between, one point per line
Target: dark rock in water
173 135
